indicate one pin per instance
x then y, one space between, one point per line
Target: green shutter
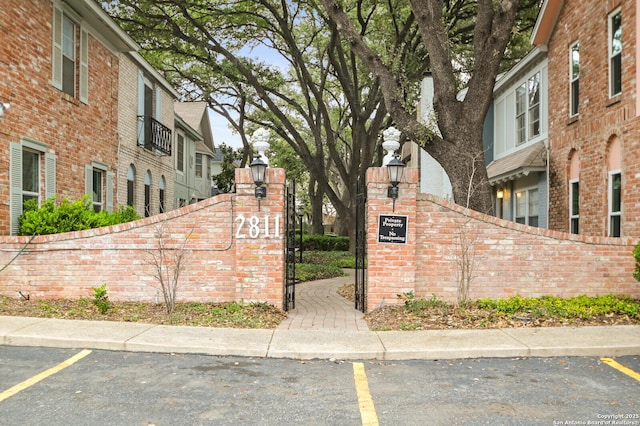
158 100
109 201
56 57
49 175
140 108
84 66
15 182
88 180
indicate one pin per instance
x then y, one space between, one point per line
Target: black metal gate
361 246
289 301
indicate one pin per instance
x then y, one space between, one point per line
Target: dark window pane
130 193
147 201
615 226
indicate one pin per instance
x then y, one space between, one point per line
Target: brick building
593 115
59 73
87 114
147 136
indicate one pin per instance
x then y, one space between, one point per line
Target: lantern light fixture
258 170
395 168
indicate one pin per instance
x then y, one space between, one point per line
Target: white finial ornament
391 143
260 140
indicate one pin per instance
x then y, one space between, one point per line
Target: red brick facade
228 254
232 254
505 258
75 132
601 119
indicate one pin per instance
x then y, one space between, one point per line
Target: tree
323 102
457 147
231 159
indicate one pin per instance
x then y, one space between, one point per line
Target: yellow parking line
367 410
629 372
38 377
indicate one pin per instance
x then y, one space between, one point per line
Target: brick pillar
260 238
391 260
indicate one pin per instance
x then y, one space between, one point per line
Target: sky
222 133
219 125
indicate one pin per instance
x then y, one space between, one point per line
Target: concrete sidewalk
323 343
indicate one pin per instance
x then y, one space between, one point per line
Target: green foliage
418 305
230 160
68 216
320 265
575 307
100 299
340 259
311 272
325 242
636 255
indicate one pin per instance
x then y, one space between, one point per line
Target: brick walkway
319 306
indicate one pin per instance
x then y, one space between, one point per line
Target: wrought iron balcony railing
154 135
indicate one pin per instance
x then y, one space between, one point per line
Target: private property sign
392 229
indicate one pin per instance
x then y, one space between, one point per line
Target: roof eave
546 22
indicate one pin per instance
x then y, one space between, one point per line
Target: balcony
153 135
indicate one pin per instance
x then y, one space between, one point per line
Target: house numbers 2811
258 227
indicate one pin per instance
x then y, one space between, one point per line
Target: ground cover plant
546 311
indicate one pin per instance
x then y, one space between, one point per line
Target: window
199 165
521 100
99 184
615 53
131 185
534 105
574 207
70 58
97 190
180 152
32 175
147 194
574 79
162 194
615 203
527 207
528 109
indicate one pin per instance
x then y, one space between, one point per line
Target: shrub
636 255
325 242
68 216
100 299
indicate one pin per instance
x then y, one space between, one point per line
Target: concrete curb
610 341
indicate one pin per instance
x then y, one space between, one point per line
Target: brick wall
600 118
506 258
228 254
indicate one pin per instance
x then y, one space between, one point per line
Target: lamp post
300 213
395 167
258 169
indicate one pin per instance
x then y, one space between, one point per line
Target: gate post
391 238
259 238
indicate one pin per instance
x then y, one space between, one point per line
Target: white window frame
528 215
574 216
106 201
533 106
526 109
183 161
80 52
47 174
613 213
574 80
613 55
521 114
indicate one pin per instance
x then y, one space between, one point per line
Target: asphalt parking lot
78 387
